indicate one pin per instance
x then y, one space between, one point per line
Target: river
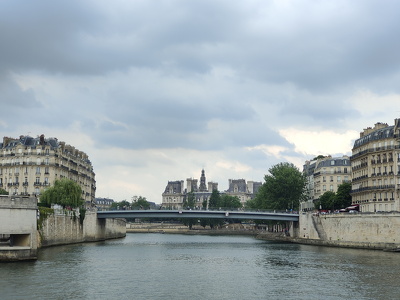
169 266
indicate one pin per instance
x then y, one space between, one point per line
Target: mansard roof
379 134
29 141
177 187
334 161
240 183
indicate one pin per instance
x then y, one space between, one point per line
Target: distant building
244 191
29 165
175 193
103 203
375 164
324 174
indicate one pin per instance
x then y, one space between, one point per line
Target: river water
169 266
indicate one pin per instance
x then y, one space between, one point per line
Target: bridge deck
222 214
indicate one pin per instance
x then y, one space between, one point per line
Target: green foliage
215 200
65 192
82 214
189 202
121 205
283 189
228 201
319 157
326 201
338 200
343 196
3 192
44 212
140 203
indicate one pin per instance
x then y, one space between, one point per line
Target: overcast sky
155 91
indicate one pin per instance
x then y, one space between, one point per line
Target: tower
203 186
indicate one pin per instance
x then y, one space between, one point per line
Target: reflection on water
162 266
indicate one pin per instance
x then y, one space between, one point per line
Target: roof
335 161
29 142
379 134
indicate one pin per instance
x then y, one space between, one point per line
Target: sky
156 91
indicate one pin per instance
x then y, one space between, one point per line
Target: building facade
175 194
29 165
325 174
244 191
103 203
375 165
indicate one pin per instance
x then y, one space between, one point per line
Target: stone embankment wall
361 230
18 217
62 229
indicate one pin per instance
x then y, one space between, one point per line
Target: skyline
156 91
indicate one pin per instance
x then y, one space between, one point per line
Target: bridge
211 214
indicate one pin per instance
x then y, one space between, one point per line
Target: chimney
42 139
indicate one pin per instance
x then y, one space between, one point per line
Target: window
37 170
332 162
339 179
331 188
324 187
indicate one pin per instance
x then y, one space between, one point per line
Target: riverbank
231 229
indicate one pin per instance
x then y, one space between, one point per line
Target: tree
283 189
189 203
343 196
326 201
215 200
190 200
140 203
319 157
65 192
228 201
121 205
3 192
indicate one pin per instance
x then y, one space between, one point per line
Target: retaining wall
61 229
362 230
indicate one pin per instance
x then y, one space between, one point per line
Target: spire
203 187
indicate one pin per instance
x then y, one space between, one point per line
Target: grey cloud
312 46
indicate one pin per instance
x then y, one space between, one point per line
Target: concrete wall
18 223
61 229
372 231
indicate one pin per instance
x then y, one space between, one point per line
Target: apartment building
29 165
375 165
324 174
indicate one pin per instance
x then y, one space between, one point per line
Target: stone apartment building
29 165
175 193
324 174
375 165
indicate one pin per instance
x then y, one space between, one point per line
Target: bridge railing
212 209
